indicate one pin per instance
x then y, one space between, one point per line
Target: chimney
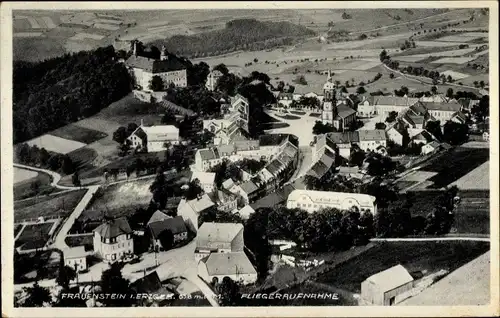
135 48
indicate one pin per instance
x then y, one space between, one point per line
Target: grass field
26 188
477 179
59 204
55 144
423 257
473 213
21 175
77 133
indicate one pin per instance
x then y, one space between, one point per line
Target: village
206 182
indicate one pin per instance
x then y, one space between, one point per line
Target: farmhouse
442 111
76 258
169 68
154 138
212 79
113 239
236 266
206 179
171 230
312 201
383 105
386 288
218 238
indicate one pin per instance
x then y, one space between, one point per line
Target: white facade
233 265
112 249
442 115
394 135
143 78
76 258
154 138
312 201
212 79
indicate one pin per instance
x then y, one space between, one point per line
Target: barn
386 288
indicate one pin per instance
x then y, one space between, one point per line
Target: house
459 118
396 133
225 200
76 258
383 105
212 79
388 287
367 140
322 166
339 116
176 228
195 206
424 137
235 265
169 68
442 111
371 139
113 239
467 103
312 201
437 98
242 106
151 284
486 136
154 138
206 179
430 147
285 99
218 238
245 212
250 191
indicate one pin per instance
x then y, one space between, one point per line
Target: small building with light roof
388 287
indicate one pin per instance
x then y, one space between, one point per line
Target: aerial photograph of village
247 157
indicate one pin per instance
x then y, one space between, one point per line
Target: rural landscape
320 157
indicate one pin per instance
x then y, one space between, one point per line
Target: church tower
329 101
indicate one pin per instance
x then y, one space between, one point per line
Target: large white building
113 240
76 258
382 105
154 138
169 68
312 201
442 111
218 238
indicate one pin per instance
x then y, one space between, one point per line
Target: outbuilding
386 288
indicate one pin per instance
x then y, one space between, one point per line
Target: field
473 213
40 184
477 179
59 204
463 37
55 144
77 133
21 175
416 257
455 75
454 60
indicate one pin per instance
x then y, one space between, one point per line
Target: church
335 110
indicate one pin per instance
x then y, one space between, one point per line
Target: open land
35 185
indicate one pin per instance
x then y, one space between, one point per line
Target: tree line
62 90
40 157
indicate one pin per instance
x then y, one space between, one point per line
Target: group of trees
306 102
195 98
452 132
238 34
40 157
58 91
319 128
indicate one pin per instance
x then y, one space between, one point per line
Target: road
431 239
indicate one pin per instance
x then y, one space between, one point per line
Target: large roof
249 187
393 101
372 135
161 132
344 111
75 252
450 107
272 139
217 235
158 216
207 154
228 264
200 204
175 225
343 138
155 66
391 278
114 228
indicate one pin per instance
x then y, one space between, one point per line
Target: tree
482 110
434 128
455 133
131 127
197 74
169 119
357 156
320 128
194 190
380 126
76 179
482 84
37 296
44 156
67 165
221 68
124 148
66 274
166 239
120 135
391 76
257 240
301 79
229 292
112 282
449 93
156 84
360 90
391 117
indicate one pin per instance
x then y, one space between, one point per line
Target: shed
386 288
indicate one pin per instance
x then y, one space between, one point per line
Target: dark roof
147 284
175 225
318 170
272 139
114 228
343 138
277 197
344 111
249 187
423 135
155 66
442 106
207 154
139 132
461 116
274 166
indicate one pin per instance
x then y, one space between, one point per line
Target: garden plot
108 21
454 60
455 75
85 36
56 144
48 22
477 179
435 43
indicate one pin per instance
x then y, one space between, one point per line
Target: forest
240 34
62 90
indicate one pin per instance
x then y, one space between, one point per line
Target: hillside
241 34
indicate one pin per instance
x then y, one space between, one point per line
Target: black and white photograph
247 154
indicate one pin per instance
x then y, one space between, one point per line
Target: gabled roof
424 135
343 138
213 235
139 132
175 225
200 204
155 66
246 211
228 184
450 107
461 116
158 216
207 154
75 252
394 101
148 284
344 111
274 166
228 264
433 144
272 139
391 278
114 228
249 187
317 170
372 135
